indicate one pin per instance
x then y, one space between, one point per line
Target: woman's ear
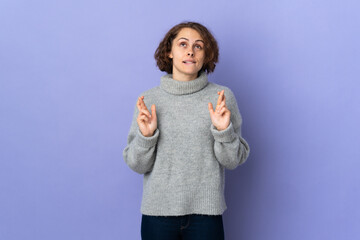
170 55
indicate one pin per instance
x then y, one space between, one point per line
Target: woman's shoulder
214 87
152 92
151 96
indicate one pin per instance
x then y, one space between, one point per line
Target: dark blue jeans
186 227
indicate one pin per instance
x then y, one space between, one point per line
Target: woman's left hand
221 116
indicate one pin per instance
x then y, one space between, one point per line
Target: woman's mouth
188 62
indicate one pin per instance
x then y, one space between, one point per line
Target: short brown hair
210 46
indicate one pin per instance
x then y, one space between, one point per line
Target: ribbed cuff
226 135
147 142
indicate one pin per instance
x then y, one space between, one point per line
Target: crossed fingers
142 107
221 103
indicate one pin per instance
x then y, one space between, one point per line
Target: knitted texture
184 162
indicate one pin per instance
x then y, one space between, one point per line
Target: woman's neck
184 77
173 86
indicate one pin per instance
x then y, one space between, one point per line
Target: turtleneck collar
177 87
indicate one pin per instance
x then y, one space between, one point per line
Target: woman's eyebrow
188 39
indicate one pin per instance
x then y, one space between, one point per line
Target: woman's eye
184 45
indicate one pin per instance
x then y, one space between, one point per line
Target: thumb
210 106
153 111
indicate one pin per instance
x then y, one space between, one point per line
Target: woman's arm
230 148
140 152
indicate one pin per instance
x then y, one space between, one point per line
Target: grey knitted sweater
184 161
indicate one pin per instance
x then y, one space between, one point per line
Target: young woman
184 146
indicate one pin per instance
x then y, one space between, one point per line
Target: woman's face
188 54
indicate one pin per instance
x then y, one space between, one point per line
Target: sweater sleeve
230 148
140 152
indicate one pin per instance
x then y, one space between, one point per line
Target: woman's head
196 42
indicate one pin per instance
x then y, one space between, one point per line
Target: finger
210 107
222 104
138 104
153 111
222 110
218 108
146 112
143 118
221 94
219 99
142 103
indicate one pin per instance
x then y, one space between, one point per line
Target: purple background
70 74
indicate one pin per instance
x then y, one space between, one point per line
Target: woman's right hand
147 123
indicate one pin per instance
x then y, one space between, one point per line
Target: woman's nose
190 53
